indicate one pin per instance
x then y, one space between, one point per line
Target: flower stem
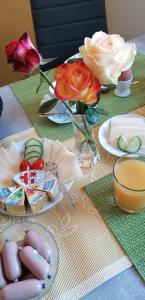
67 106
49 82
86 134
93 146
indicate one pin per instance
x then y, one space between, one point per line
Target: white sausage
35 263
22 290
12 265
3 281
33 239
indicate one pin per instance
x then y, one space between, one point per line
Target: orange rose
75 82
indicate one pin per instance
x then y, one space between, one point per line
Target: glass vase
85 146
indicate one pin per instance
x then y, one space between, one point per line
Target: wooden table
127 285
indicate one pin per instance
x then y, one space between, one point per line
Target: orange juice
129 182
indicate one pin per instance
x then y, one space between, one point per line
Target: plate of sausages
29 259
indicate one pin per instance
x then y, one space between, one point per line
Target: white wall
126 17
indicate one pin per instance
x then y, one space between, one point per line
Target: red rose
10 48
22 54
75 82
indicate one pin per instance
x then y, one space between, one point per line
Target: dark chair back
61 25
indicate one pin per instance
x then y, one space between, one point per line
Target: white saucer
60 118
103 136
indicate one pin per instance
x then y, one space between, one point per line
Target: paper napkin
66 161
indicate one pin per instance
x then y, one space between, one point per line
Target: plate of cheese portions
26 187
123 134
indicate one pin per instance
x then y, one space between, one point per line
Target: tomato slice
38 164
24 165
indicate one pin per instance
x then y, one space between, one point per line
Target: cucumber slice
129 145
33 142
32 159
32 154
34 148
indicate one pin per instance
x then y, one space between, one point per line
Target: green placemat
25 91
129 229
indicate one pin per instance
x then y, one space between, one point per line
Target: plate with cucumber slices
123 134
27 187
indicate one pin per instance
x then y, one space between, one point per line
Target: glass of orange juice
129 182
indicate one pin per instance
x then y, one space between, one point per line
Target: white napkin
9 158
66 161
9 164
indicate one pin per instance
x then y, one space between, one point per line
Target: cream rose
107 55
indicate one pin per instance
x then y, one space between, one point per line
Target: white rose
107 55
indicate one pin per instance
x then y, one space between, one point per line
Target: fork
52 167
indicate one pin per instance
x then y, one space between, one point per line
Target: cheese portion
36 199
15 202
51 187
128 126
5 192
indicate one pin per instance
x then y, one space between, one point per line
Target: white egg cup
123 88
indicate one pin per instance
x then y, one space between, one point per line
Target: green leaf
107 88
43 77
71 103
72 60
46 61
40 83
97 100
81 107
47 106
92 116
101 111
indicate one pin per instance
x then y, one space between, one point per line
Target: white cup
123 88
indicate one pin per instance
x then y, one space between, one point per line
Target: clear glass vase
85 146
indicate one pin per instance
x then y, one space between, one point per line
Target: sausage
21 243
28 275
34 262
12 265
22 290
33 239
3 281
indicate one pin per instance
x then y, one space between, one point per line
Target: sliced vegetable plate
103 136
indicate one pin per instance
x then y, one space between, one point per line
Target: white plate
103 135
16 232
48 205
60 118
